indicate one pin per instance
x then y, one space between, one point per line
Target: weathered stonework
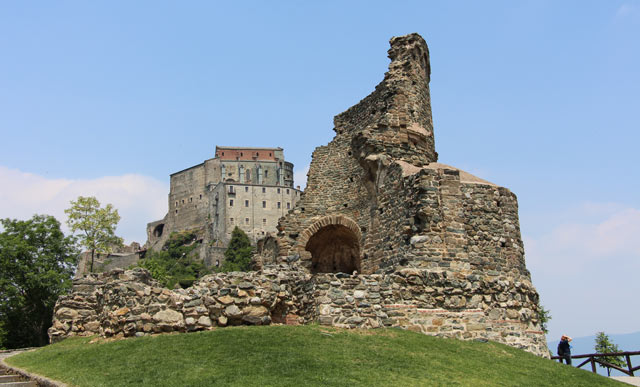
391 238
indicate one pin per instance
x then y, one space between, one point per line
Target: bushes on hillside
175 264
237 257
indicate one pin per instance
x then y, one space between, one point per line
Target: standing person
564 349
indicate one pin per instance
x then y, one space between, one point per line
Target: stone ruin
383 236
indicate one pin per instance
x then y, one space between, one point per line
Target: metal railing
593 358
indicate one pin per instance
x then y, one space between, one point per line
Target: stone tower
383 236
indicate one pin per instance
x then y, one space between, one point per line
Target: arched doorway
334 248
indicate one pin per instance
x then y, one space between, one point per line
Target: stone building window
264 190
242 173
266 173
248 175
230 202
200 196
287 191
246 203
264 221
259 174
246 189
231 220
176 204
190 200
246 220
278 204
278 190
288 205
182 201
264 204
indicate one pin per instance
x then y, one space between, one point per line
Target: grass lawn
297 356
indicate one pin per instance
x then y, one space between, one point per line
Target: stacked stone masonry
130 303
392 238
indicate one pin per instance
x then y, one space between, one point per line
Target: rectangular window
278 204
264 190
246 203
264 221
246 189
287 191
231 220
176 204
278 190
230 202
266 173
288 205
246 220
264 204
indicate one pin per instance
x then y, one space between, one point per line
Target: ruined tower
383 236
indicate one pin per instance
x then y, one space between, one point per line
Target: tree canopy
605 345
237 257
96 225
175 263
36 266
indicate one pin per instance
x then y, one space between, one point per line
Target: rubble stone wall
442 303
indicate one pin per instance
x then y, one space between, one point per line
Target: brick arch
332 245
327 221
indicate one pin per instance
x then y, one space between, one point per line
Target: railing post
629 365
593 365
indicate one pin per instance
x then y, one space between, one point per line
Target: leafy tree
175 263
36 266
544 315
97 226
605 345
237 257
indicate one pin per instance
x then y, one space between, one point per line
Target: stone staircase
11 379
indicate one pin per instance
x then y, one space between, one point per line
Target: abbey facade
250 188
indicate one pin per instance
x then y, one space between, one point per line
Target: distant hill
585 344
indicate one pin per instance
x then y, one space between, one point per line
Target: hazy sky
543 97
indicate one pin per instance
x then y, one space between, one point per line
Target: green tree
175 263
237 257
36 266
544 315
605 345
96 225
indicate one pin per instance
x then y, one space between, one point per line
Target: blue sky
543 97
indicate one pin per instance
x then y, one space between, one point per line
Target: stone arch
334 244
268 250
158 230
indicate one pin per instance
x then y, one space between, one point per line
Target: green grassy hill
297 356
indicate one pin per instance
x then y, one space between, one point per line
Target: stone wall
442 303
